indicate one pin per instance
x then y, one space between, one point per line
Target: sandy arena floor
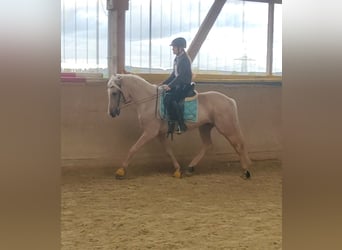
214 209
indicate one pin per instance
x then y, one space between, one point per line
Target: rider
177 85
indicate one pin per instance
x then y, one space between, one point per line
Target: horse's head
114 89
128 88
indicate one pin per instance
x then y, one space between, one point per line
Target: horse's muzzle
115 112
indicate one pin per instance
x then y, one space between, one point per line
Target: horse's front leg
144 138
163 140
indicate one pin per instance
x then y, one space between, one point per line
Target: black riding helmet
179 42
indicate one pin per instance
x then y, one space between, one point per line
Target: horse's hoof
177 174
189 171
120 173
246 175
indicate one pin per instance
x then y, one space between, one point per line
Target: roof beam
265 1
205 27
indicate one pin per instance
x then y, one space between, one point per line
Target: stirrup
171 135
171 129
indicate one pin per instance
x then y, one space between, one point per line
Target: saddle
190 105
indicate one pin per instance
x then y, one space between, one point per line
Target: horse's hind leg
165 143
239 146
236 140
207 144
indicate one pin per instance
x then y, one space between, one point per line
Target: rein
127 103
143 100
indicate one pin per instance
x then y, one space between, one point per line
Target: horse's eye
114 94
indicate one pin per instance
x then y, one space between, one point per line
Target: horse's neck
144 96
141 90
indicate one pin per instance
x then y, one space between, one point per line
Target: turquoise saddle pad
190 109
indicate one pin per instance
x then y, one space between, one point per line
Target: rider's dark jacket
181 75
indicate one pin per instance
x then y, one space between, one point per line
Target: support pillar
116 35
270 29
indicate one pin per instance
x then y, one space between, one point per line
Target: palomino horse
214 110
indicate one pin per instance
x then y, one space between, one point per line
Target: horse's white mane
135 78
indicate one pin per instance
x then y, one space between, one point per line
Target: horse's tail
236 114
239 130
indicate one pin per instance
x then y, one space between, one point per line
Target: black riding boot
180 115
169 104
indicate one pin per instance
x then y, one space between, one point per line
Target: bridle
116 84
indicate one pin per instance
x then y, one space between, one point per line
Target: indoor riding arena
235 48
